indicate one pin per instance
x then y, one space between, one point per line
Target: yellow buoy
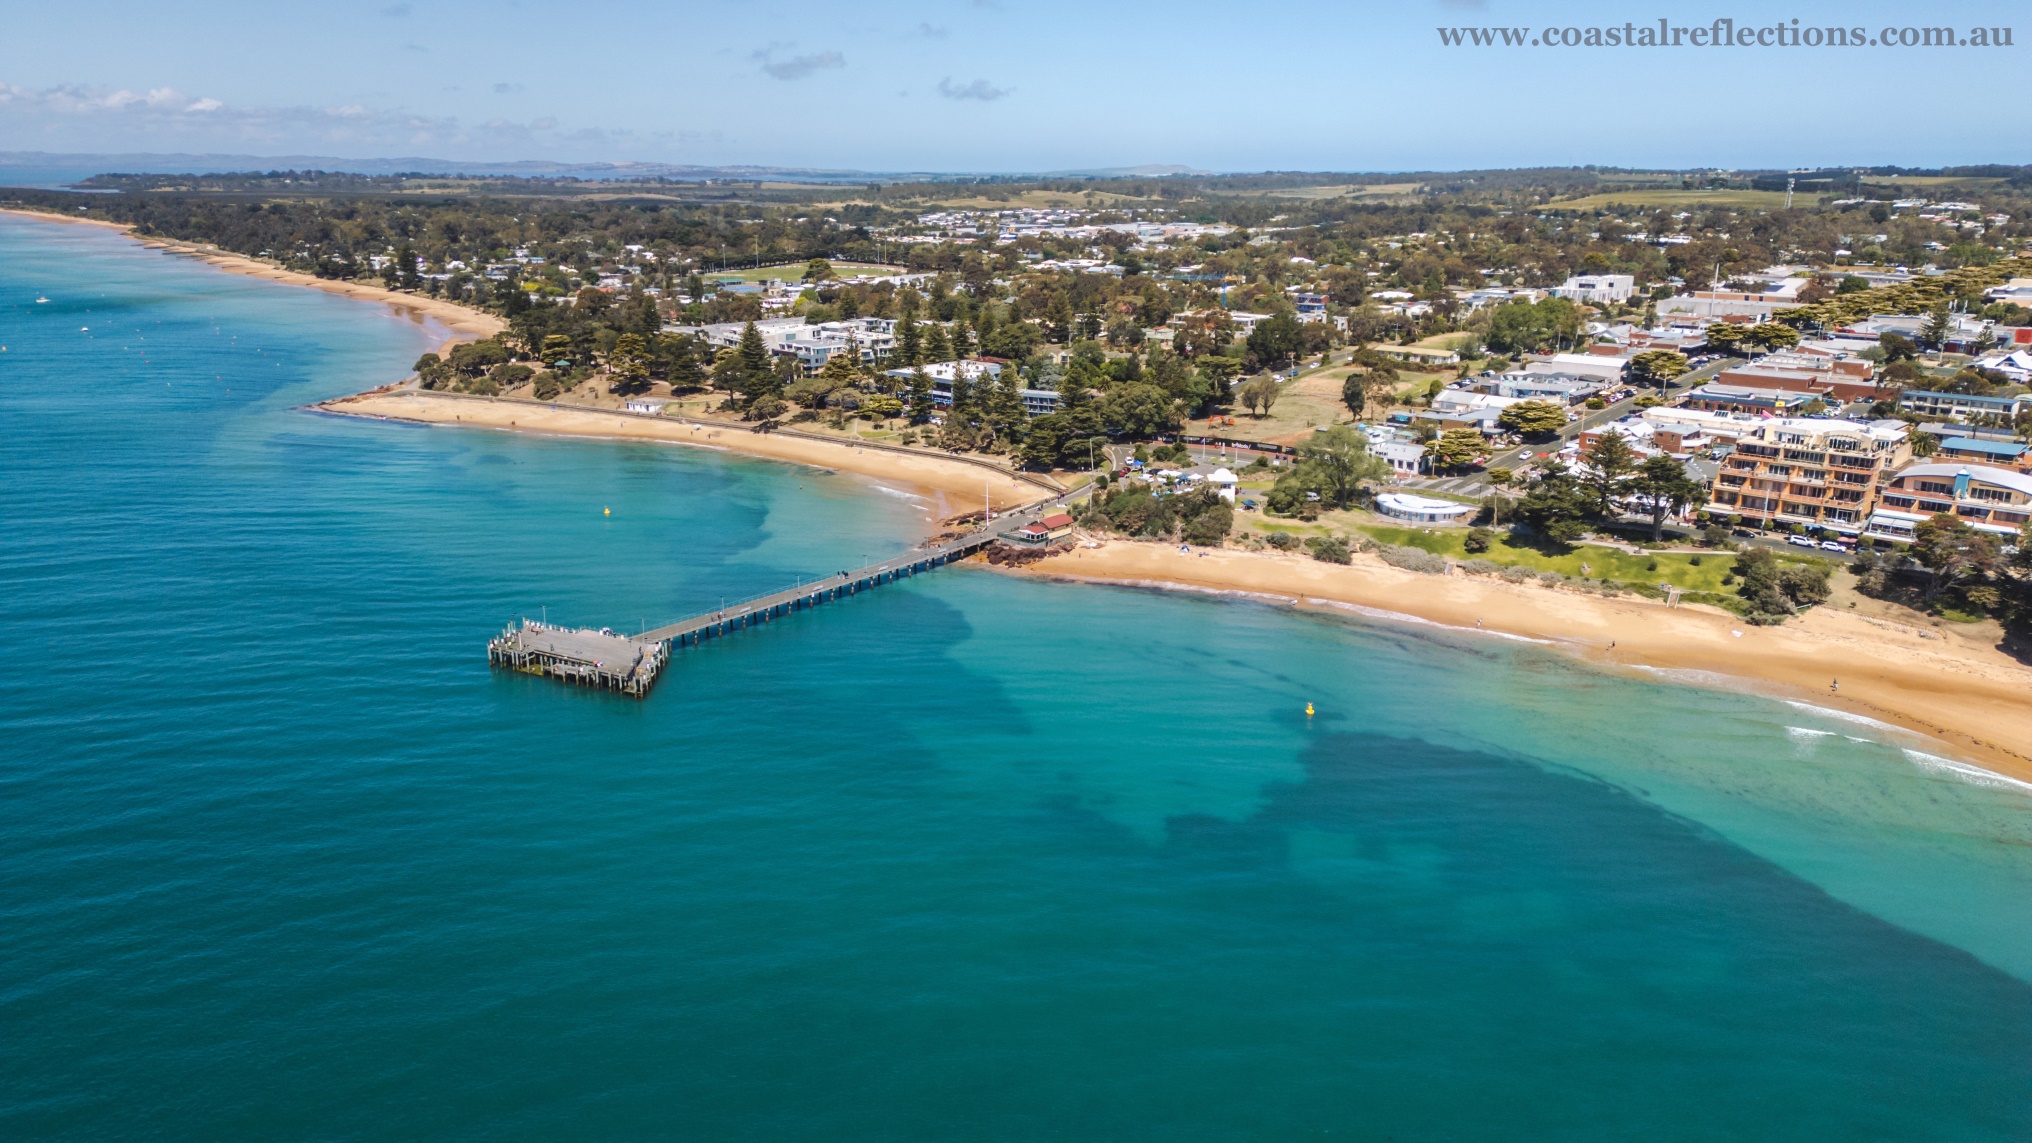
606 511
1308 710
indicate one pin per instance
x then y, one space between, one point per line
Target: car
1833 546
1743 532
1800 542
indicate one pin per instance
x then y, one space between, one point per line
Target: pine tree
937 347
684 367
909 343
962 344
922 407
754 353
1005 403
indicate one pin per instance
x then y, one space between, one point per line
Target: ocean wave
1401 617
1845 716
1963 771
1807 734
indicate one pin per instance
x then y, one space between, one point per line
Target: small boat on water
41 301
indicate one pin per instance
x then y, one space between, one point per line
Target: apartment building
1820 473
1994 500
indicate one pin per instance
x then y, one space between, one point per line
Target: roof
1057 520
1404 502
2010 449
2015 481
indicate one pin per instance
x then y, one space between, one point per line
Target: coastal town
1766 405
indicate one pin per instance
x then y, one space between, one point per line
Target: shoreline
1890 672
1972 702
462 323
954 485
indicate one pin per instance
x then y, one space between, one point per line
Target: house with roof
1989 499
1964 406
1978 450
1053 527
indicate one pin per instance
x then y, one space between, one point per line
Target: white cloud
980 90
796 67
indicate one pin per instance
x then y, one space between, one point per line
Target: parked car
1800 542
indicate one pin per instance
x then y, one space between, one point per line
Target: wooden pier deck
630 664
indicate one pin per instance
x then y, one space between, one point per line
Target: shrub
1728 579
1651 564
1414 559
1284 541
1478 540
1551 578
1210 527
1693 561
547 385
1516 574
1329 549
1481 567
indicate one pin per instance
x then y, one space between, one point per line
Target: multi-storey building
1994 500
1820 473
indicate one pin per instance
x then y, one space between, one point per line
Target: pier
605 660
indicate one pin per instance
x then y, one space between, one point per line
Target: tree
1277 340
1361 386
1939 328
1138 410
1724 336
1954 552
1457 448
918 397
909 343
1533 418
1341 461
1610 461
628 363
683 368
1557 506
818 270
755 379
1658 366
1897 347
1259 395
1665 487
1771 335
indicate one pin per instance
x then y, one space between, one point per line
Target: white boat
41 301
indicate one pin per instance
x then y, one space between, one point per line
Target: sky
1002 85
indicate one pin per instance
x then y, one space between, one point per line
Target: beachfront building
1819 473
1422 509
1963 406
1993 500
1715 398
942 374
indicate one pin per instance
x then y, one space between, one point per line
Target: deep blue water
970 857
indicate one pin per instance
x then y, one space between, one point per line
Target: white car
1831 546
1800 542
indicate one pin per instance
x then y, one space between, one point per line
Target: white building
1597 289
1422 509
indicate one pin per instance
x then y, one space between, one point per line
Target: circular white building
1422 509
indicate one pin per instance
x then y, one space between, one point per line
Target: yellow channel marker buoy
606 511
1308 710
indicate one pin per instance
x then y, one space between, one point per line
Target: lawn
1677 569
1306 402
1756 199
794 271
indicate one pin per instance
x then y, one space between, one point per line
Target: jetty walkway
608 660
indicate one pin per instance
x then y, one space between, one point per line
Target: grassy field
1754 199
1315 194
795 272
1307 402
1578 561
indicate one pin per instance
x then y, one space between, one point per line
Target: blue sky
998 85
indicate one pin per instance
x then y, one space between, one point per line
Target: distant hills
53 169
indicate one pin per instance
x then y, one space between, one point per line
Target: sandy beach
462 323
955 485
1973 700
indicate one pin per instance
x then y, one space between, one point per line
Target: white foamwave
1400 617
1973 775
899 493
1845 716
1714 679
1806 734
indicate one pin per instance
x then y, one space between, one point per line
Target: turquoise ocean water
970 857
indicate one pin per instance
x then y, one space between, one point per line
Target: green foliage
1773 590
1457 449
1330 549
1529 327
1533 418
1477 540
1339 461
